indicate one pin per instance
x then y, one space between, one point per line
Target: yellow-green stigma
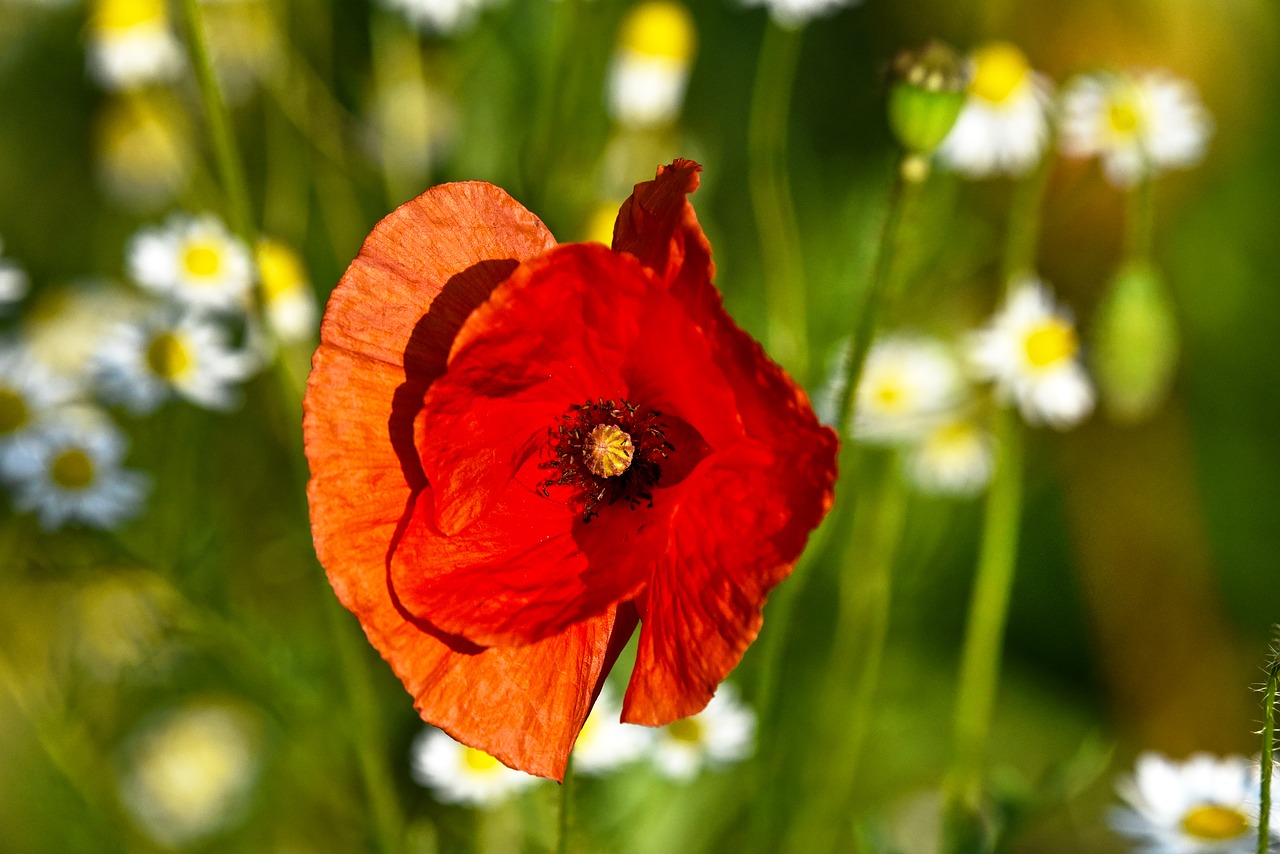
1210 821
608 450
72 469
13 411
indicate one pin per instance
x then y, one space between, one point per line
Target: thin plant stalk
1267 760
980 659
777 231
218 120
997 558
1140 219
566 809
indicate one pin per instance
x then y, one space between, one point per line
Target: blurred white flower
650 66
65 325
72 473
287 296
142 364
144 149
1030 350
1204 804
194 261
131 43
30 395
1004 125
792 14
908 384
189 772
606 743
953 458
722 733
14 284
414 122
457 774
1138 124
444 17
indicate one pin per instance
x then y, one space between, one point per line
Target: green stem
1268 748
1023 234
770 187
873 302
980 659
1140 220
230 167
566 809
367 732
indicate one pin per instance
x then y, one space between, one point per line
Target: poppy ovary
609 451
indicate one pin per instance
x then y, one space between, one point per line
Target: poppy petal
702 607
530 567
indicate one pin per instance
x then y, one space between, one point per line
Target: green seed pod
1135 343
926 95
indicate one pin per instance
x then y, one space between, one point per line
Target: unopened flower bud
1136 343
928 90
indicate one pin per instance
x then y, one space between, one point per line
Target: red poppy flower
519 450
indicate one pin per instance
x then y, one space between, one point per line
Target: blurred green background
1146 581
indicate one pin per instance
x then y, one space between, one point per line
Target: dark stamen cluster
570 446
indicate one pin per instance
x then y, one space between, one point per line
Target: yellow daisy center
1124 113
1210 821
999 70
479 761
890 394
608 450
953 437
660 29
126 14
168 356
280 270
201 258
1049 343
72 469
13 411
686 729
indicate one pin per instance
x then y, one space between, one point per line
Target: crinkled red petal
389 327
703 606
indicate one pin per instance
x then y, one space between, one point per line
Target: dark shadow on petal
425 358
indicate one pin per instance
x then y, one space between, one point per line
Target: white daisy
954 458
1204 805
132 43
457 774
143 148
189 772
908 383
14 284
141 365
443 17
73 474
287 296
650 68
1138 124
792 14
606 743
1031 351
1004 125
193 260
30 395
722 733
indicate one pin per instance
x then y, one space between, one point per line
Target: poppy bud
928 90
1136 342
